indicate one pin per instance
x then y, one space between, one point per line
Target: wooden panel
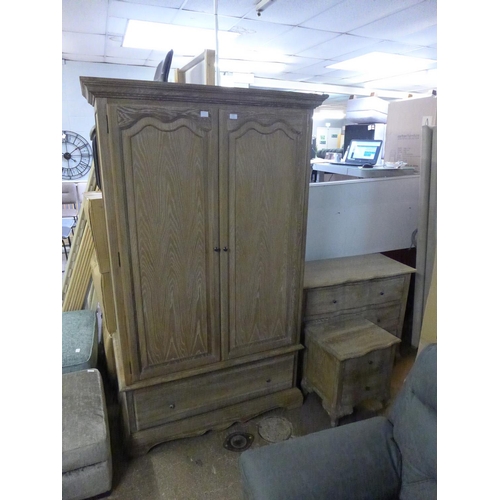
328 272
170 219
184 398
267 172
355 295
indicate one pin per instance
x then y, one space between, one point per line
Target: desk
322 166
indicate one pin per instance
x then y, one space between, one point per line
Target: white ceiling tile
297 40
119 60
114 49
304 37
399 26
348 15
79 43
203 20
127 10
171 4
293 12
255 34
117 25
84 16
231 8
343 44
82 57
424 52
426 37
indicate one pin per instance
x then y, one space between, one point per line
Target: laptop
362 152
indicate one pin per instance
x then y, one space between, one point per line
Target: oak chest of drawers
347 362
371 286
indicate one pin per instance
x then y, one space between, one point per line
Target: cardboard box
403 136
94 209
366 110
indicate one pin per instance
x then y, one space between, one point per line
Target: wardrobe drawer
353 295
172 401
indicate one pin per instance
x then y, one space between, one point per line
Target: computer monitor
362 152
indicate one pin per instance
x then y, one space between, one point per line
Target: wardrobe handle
225 249
216 249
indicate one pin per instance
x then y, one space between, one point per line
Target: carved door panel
168 224
265 174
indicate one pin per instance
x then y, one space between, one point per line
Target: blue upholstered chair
377 458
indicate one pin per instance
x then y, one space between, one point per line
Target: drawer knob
171 406
381 293
367 388
268 380
334 301
370 362
216 249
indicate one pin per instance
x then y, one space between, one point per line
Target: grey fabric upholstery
414 416
79 340
377 458
86 450
326 465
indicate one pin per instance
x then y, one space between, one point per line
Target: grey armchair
377 458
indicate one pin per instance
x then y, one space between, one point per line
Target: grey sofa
86 451
377 458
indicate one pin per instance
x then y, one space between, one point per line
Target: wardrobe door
264 170
166 184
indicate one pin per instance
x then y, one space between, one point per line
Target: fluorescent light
329 114
184 40
379 65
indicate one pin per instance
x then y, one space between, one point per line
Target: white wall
361 216
77 113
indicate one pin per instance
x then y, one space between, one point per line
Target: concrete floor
201 467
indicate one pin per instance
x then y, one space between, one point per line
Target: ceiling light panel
183 40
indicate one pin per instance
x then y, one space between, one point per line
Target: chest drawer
183 398
386 316
367 376
336 298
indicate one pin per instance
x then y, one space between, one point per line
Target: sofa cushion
79 340
85 433
332 465
414 416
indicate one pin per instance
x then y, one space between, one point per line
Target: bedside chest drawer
336 298
366 377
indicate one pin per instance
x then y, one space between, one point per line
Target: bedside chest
347 362
372 286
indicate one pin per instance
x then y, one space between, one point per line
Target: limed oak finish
347 362
205 193
371 286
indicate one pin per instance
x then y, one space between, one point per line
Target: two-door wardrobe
205 193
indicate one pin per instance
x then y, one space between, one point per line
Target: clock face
76 155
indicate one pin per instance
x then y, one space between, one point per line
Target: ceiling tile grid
301 38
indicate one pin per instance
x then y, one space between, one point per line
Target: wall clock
76 155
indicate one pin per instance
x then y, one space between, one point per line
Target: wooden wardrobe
205 191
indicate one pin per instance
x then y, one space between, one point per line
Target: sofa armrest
355 461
